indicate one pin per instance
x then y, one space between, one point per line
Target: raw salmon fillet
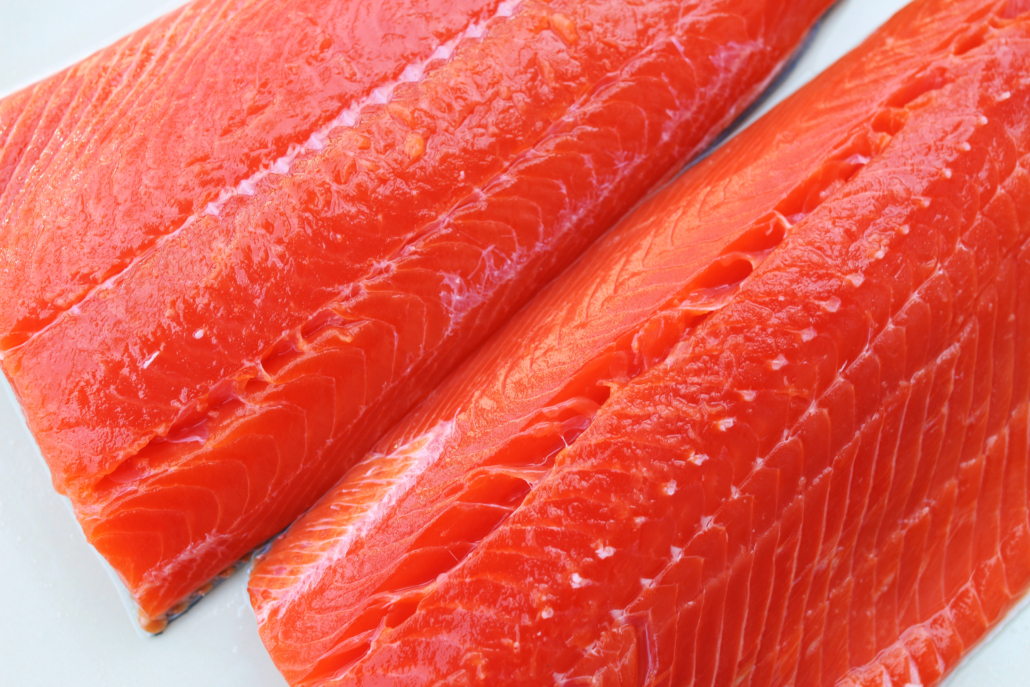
772 430
243 242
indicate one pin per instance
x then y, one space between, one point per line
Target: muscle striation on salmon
240 244
771 430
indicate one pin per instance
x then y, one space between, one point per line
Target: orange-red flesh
772 430
243 242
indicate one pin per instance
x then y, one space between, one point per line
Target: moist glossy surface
218 313
771 431
65 628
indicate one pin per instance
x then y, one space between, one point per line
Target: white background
62 621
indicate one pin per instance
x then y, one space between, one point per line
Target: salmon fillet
772 430
240 244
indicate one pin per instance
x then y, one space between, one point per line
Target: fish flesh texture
687 533
240 244
243 242
771 430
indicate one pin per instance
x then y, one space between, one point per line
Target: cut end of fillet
157 622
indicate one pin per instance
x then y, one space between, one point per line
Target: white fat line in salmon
348 119
420 454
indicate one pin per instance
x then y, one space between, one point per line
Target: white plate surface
63 622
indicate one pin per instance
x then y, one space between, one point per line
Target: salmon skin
243 242
772 430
